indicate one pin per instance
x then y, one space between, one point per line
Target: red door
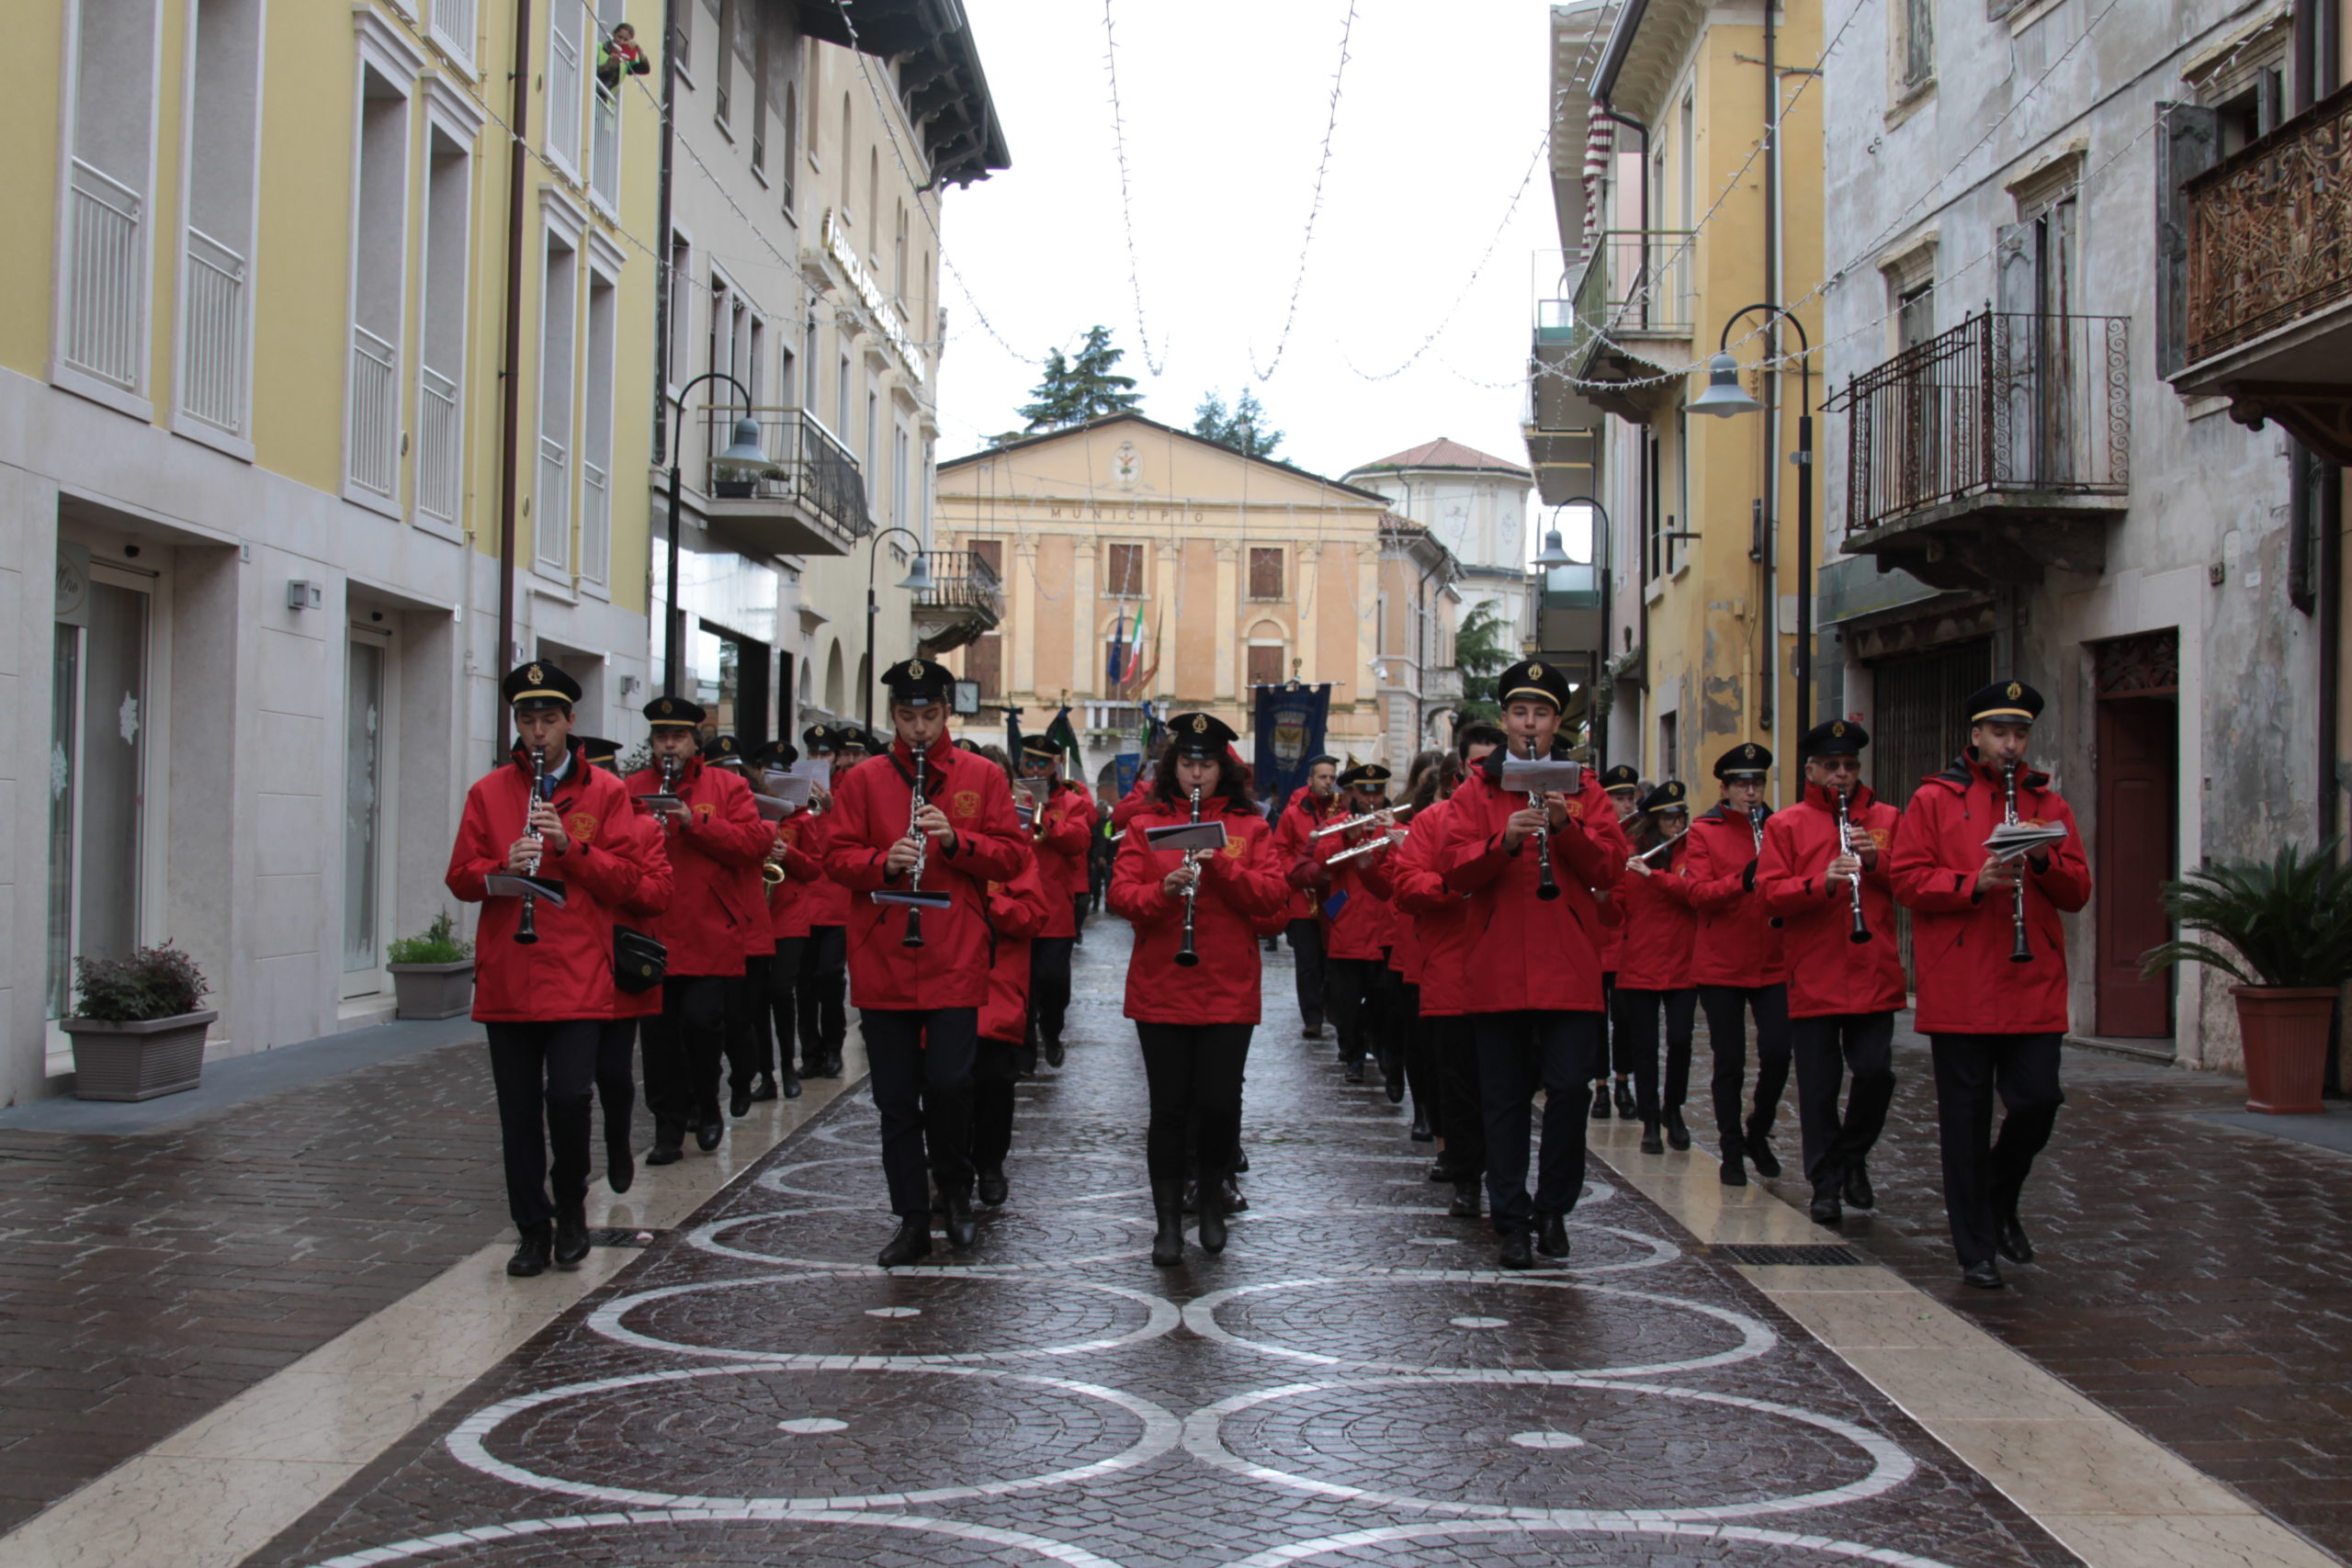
2131 860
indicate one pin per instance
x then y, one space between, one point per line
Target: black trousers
1306 939
617 1078
1409 1038
1347 996
996 1067
1985 1175
1049 983
1518 1054
921 1063
546 1078
1462 1108
1727 1008
1620 1058
783 991
1383 1018
682 1052
1634 1015
1194 1071
1825 1050
824 991
750 1049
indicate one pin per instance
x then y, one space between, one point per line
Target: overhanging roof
941 86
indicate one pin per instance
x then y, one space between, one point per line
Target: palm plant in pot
432 973
138 1025
2285 937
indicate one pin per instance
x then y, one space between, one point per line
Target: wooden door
2131 860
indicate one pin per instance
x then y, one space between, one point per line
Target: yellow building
290 354
1246 571
1690 206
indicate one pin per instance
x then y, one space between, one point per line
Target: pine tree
1076 389
1482 648
1242 429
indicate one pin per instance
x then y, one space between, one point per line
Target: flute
1367 847
1664 845
1365 820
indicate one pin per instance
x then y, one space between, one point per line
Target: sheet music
1209 835
507 884
1524 775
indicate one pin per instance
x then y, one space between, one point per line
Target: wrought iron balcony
812 503
2269 295
1993 450
965 600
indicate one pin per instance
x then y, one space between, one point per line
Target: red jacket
791 900
568 973
1358 921
1294 834
1239 886
1829 972
640 909
1524 953
1068 833
1656 925
872 806
1736 944
1960 943
1139 798
1019 911
714 908
1436 912
828 900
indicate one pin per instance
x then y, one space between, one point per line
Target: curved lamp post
742 454
918 581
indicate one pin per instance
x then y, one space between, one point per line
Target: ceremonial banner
1290 723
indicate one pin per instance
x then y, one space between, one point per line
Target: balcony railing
438 445
563 86
214 390
2270 232
818 475
375 412
553 508
1634 281
604 149
106 310
963 580
2002 403
1114 718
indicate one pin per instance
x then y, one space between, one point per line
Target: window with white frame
759 97
104 266
596 430
1911 35
900 483
604 110
567 68
681 300
378 287
558 315
452 24
790 168
224 138
723 73
441 334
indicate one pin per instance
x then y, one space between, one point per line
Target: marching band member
1623 785
1397 1018
1653 904
1533 970
714 837
1063 828
1355 926
1311 806
750 1053
1736 962
1844 990
1018 911
919 1006
1991 961
820 991
636 996
543 983
1194 1022
791 902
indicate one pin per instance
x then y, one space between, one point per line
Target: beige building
1245 571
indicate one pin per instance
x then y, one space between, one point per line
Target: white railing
1124 718
453 24
554 505
106 310
214 374
375 412
563 84
595 521
604 149
439 444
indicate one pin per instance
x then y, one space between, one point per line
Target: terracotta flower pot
2285 1031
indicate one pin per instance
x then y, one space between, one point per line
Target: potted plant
138 1028
2287 925
432 974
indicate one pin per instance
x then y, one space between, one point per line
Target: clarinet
1546 886
2021 951
1862 932
1185 956
1756 826
526 930
913 937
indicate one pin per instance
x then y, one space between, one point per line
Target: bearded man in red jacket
1993 1007
1843 992
918 1005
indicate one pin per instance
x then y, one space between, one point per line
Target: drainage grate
621 1239
1818 1257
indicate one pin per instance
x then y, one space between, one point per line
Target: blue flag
1291 719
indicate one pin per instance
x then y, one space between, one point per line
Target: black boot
993 1185
962 1229
570 1236
1651 1143
1212 1230
1465 1199
1600 1101
913 1243
531 1254
1422 1132
1760 1151
1168 1214
620 1167
1627 1107
1677 1137
1229 1195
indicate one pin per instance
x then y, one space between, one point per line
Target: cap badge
1200 723
534 676
1535 672
1748 750
2015 690
661 708
914 670
1837 728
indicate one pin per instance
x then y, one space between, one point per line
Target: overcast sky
1224 104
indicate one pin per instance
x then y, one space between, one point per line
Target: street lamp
918 581
1724 398
744 456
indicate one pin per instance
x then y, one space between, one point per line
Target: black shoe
1188 1198
669 1141
739 1103
821 1068
1056 1052
791 1087
1465 1199
1392 1077
1858 1191
620 1168
2010 1240
1651 1143
993 1187
1355 1070
1168 1218
531 1254
1422 1132
1984 1275
1824 1209
1552 1235
1627 1107
1677 1137
1229 1195
1733 1172
1519 1251
912 1243
570 1236
1311 1031
1443 1169
962 1229
1600 1101
707 1137
1760 1155
1212 1212
763 1089
664 1154
1240 1162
